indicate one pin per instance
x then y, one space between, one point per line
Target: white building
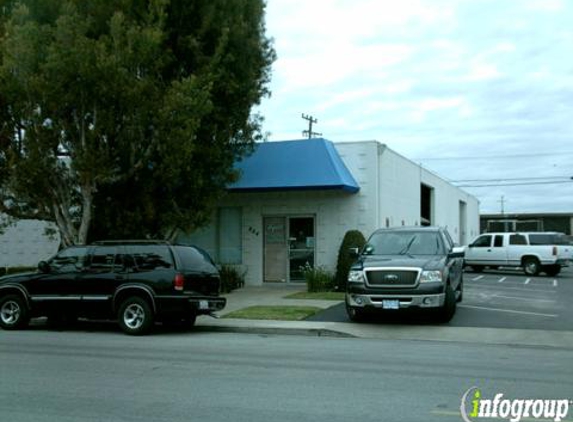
25 243
297 199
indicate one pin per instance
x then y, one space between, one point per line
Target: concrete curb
311 332
472 335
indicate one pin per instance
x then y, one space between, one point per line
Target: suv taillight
179 282
554 250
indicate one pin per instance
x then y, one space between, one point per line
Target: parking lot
503 298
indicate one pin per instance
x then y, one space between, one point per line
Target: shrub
231 278
317 279
352 239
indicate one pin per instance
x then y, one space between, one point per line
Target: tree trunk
87 214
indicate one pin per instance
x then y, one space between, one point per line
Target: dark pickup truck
400 268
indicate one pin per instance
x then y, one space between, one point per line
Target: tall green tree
124 119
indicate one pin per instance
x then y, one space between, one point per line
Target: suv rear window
150 257
192 258
547 239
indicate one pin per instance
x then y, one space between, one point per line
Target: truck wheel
13 312
460 290
135 316
355 314
552 270
531 266
477 268
446 312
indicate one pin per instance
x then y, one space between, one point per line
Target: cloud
453 77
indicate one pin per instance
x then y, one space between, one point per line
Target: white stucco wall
334 212
447 208
25 244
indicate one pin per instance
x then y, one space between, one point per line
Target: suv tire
531 266
135 316
13 312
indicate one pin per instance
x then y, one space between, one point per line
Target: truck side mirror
44 267
457 252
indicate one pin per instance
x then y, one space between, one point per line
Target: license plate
203 304
390 304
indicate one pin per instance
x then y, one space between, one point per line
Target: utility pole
502 201
309 133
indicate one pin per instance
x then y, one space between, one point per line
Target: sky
478 91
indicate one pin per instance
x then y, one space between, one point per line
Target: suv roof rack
122 242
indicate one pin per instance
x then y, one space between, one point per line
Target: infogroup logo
474 407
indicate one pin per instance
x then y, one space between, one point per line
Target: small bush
317 279
231 278
352 239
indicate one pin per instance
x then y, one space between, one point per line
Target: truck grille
392 277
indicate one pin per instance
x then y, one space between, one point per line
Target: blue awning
310 164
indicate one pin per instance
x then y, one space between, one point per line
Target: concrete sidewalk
274 295
270 294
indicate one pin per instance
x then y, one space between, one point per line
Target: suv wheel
135 316
531 266
13 313
446 312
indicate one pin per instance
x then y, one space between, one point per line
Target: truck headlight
431 277
356 276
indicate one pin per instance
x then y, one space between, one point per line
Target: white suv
534 252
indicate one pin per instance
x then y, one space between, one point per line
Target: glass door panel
301 246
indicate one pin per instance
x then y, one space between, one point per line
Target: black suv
137 282
399 268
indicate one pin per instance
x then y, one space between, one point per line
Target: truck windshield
404 243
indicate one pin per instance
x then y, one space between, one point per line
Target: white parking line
509 311
527 280
554 283
525 298
501 280
479 277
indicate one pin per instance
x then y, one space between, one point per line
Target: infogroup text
474 407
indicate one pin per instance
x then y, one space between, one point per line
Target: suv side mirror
44 267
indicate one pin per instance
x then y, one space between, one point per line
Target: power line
514 179
493 157
513 184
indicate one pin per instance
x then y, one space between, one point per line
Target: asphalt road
48 376
496 299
